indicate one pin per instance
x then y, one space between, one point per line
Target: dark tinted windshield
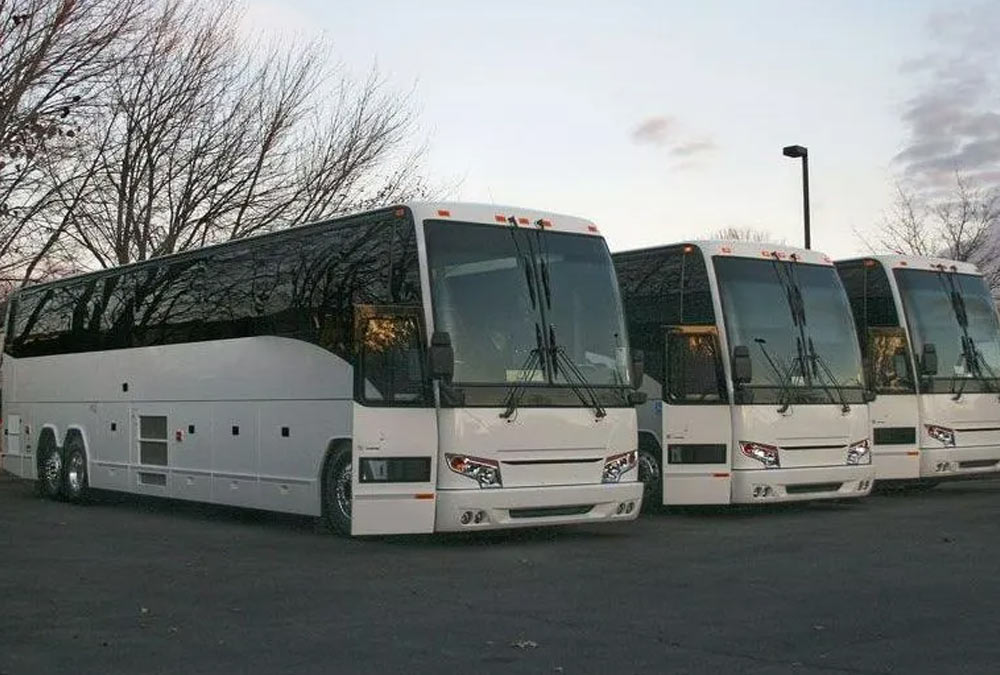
482 297
758 316
932 319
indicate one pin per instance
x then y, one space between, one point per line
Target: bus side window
694 369
391 364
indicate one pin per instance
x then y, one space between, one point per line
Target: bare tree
204 139
961 225
55 58
744 234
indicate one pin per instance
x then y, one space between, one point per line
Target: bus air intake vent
808 488
977 464
550 511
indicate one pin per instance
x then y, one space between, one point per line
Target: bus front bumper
492 509
757 486
956 462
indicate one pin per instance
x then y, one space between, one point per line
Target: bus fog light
621 508
479 517
466 517
763 453
617 466
486 472
768 491
630 507
943 435
859 453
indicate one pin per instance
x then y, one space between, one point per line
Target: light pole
803 152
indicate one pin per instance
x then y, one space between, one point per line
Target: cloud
655 131
953 120
692 148
666 132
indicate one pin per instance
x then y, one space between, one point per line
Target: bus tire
75 484
337 492
50 471
651 474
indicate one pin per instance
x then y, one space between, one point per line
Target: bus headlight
763 453
617 466
486 472
943 434
859 453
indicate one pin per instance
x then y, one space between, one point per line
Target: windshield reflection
488 293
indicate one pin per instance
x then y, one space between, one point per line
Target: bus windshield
502 292
758 306
934 318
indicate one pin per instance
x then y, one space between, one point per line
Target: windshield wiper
543 251
559 355
818 360
522 259
784 377
532 364
965 358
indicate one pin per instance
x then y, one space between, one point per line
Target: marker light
859 453
486 472
617 466
763 453
943 434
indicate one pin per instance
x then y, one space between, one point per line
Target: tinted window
662 288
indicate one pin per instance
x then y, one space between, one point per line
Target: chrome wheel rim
649 474
52 471
342 492
75 473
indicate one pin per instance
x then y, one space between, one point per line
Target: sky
663 121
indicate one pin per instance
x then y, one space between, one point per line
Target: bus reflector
870 263
444 213
424 495
399 213
544 223
913 453
523 221
688 248
720 475
499 218
592 228
726 249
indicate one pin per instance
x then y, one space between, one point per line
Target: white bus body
915 313
747 403
292 372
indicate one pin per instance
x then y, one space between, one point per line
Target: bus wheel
75 477
50 473
651 475
337 492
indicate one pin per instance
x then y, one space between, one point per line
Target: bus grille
548 511
807 488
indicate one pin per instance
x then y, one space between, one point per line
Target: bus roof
894 261
457 211
745 249
497 214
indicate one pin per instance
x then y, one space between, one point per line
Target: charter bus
754 380
928 330
413 369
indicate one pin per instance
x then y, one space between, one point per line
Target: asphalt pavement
892 584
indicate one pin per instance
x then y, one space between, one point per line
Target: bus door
894 413
696 419
394 470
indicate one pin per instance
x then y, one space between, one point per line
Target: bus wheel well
74 440
332 448
335 519
649 442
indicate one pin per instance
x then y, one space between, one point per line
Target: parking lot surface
894 584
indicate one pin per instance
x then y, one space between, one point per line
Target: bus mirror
442 356
868 395
637 397
638 368
742 366
928 360
899 364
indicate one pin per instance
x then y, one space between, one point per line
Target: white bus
755 383
414 369
929 333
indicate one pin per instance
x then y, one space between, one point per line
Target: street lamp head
795 151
